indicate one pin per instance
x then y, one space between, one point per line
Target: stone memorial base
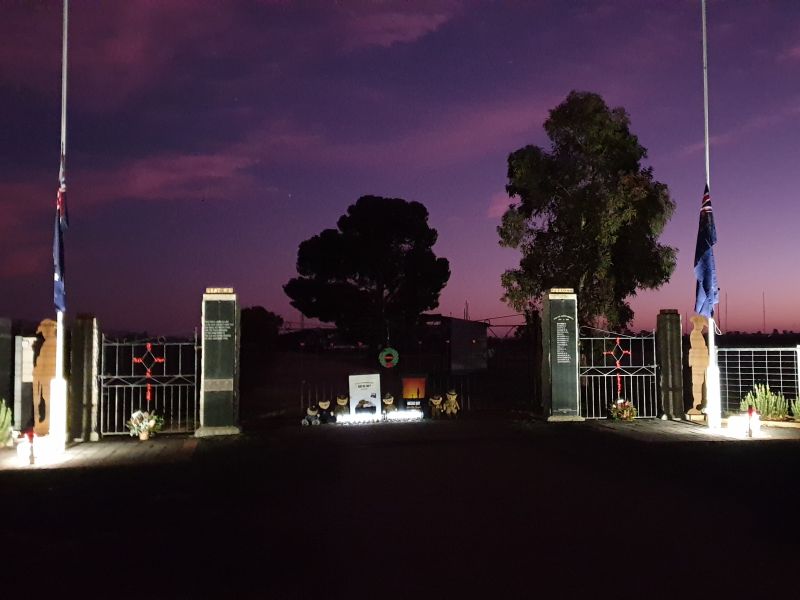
563 418
695 416
666 417
209 431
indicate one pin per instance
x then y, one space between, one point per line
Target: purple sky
206 140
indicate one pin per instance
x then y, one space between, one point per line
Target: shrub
796 409
770 405
5 422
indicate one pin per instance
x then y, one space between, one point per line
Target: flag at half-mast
61 224
705 271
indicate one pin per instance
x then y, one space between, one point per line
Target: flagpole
713 408
58 386
60 314
705 97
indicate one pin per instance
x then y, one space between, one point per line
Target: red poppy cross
617 358
148 359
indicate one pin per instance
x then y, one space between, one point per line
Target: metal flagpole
705 96
58 386
713 404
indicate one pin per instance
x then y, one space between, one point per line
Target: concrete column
669 348
84 381
6 363
23 382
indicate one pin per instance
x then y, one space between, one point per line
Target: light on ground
394 416
404 415
45 450
738 425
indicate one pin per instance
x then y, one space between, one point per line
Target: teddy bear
451 406
342 406
435 406
325 413
388 403
311 417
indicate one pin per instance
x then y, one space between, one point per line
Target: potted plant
144 424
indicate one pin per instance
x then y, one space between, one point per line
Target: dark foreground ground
478 508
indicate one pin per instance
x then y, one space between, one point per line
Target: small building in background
438 345
460 343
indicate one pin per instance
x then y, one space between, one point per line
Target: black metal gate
618 368
149 375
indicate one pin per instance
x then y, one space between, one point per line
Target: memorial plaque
561 393
219 387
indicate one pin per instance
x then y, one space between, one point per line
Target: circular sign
388 357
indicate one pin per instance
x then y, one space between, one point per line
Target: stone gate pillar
669 349
560 384
6 363
219 378
84 397
23 382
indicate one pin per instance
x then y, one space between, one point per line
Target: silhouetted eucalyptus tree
588 214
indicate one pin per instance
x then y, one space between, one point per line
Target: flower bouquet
622 410
144 424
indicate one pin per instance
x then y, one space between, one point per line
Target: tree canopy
376 271
588 214
260 328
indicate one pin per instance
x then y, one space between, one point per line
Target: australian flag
61 224
704 270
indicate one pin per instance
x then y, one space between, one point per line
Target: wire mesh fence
742 368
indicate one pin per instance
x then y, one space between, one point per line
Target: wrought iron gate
152 375
618 368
